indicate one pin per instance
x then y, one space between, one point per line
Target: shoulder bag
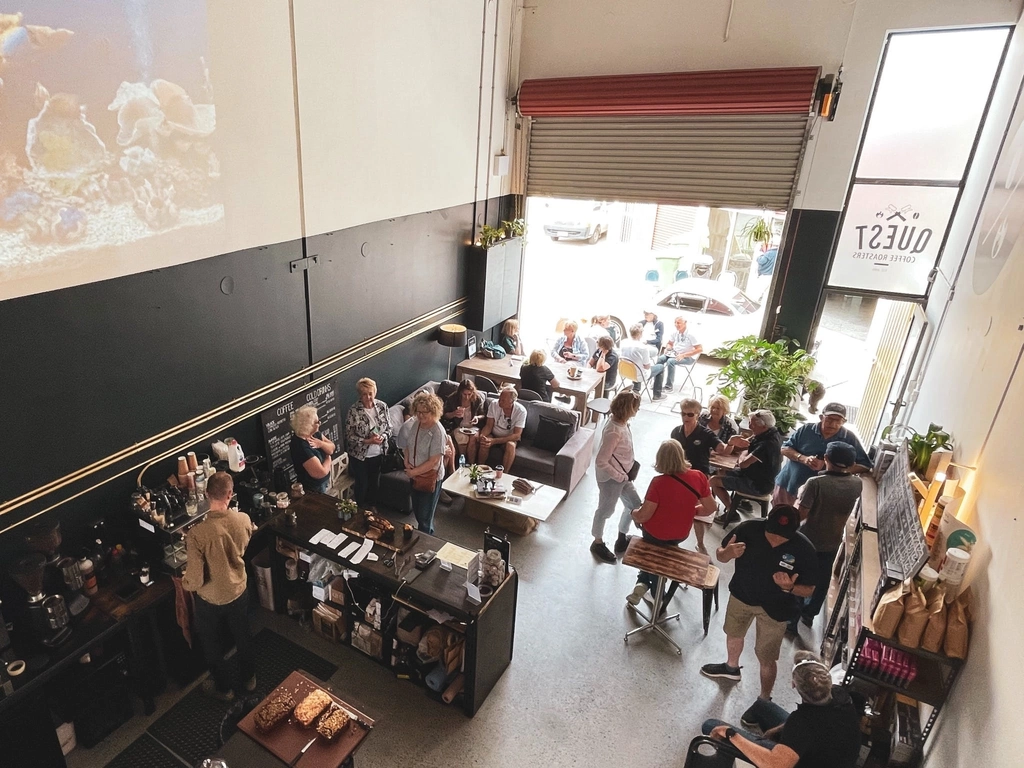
427 482
632 472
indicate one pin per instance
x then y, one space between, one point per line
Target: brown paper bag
935 630
957 632
889 610
915 618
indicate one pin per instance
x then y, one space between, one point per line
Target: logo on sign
895 238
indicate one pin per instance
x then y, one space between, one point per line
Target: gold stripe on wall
420 324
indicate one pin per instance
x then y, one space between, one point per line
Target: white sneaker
634 597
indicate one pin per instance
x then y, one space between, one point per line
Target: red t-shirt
677 506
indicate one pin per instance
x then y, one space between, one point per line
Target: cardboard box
368 640
329 623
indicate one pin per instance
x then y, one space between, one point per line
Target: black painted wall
91 370
802 270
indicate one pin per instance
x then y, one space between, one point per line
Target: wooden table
537 507
500 372
675 564
724 461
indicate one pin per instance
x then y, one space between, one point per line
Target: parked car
715 312
575 220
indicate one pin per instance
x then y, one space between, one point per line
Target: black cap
783 520
841 454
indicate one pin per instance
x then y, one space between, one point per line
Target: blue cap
841 454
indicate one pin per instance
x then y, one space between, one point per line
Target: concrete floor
575 694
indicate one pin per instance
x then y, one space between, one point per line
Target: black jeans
366 474
821 584
235 616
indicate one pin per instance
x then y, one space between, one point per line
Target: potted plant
920 447
346 509
508 229
475 473
758 230
764 374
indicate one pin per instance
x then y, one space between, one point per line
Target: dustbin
667 266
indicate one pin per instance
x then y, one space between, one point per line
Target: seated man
638 353
759 464
653 330
604 360
824 729
503 429
682 349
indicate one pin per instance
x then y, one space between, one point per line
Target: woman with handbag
616 469
673 499
424 440
367 431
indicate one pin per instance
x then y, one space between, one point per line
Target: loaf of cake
310 707
274 710
332 722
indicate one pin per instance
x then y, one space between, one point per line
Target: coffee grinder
47 614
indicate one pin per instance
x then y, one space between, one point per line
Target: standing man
805 449
216 573
640 354
757 466
775 568
683 348
503 428
825 504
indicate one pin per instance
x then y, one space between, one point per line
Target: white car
716 313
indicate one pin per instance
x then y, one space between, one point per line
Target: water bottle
462 464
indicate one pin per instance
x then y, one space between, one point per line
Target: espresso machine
48 618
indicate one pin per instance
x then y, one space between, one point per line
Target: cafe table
506 371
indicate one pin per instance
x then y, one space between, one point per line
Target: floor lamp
451 336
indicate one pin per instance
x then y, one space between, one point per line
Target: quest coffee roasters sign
890 238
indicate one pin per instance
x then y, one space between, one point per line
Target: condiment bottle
89 585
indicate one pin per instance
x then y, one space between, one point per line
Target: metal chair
591 343
601 406
706 752
486 385
652 276
528 396
681 274
628 370
698 391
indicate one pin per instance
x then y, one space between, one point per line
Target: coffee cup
573 370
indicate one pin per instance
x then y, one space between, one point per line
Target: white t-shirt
683 342
372 449
504 425
637 353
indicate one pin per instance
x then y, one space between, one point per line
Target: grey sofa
562 470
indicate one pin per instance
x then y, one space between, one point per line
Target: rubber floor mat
145 752
191 728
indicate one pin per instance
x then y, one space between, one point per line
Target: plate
469 430
574 378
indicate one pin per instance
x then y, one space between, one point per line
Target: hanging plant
758 230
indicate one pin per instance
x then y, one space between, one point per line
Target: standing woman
465 408
367 429
614 463
718 420
673 500
423 439
509 338
311 451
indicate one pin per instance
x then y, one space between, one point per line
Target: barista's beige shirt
215 570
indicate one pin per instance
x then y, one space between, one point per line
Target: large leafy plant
920 447
764 374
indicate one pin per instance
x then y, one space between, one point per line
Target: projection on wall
108 160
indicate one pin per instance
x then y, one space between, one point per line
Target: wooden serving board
358 526
288 738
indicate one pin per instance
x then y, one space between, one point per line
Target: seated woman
824 729
423 440
717 418
509 338
536 376
367 429
311 452
466 407
673 498
606 361
570 345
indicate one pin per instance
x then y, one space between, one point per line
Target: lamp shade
452 336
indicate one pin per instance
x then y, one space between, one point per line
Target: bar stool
734 501
602 406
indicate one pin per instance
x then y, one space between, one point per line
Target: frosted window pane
930 97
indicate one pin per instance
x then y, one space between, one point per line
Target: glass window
688 301
928 104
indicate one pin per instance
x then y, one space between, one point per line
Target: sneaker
659 396
725 519
749 719
622 543
250 684
211 690
639 591
720 670
669 388
600 550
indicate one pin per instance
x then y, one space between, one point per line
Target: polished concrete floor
575 694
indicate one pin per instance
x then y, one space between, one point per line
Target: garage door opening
586 258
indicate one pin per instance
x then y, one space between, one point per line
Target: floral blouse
358 427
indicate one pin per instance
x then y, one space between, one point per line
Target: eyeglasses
687 413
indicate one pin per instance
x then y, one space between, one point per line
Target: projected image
107 133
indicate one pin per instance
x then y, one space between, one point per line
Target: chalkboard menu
277 428
901 540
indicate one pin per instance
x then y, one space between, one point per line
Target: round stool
601 406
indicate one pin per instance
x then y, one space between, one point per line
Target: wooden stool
734 502
710 591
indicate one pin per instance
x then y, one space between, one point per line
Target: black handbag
633 470
393 460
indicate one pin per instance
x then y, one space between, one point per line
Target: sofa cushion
534 463
551 434
535 409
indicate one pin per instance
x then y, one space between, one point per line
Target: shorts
768 641
736 482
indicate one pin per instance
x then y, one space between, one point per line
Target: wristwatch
729 733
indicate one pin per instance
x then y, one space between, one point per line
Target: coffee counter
489 628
